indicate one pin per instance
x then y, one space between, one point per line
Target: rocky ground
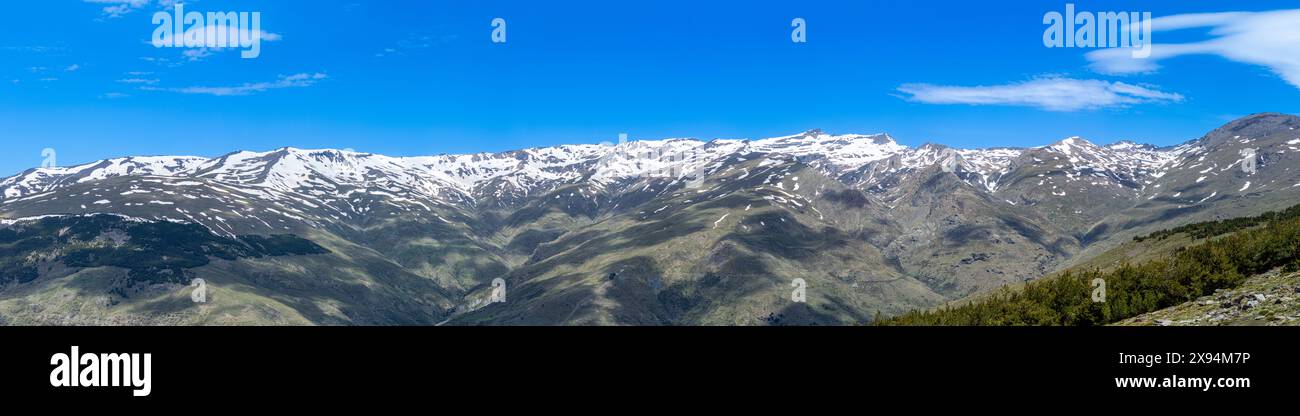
1271 299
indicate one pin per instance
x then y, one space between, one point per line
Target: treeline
1215 228
1130 290
156 252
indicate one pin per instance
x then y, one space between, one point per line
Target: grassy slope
84 297
1188 261
1129 252
726 259
349 284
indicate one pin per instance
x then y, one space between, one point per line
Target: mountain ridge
811 143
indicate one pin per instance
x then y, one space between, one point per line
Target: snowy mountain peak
1071 144
842 152
1127 145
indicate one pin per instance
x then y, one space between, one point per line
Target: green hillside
1249 247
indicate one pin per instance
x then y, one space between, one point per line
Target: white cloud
291 81
215 31
416 43
72 68
222 30
1052 94
1270 39
161 61
141 81
35 49
118 8
196 54
117 11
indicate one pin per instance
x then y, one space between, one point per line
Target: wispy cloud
291 81
222 30
161 61
196 54
1050 93
119 8
415 43
139 81
33 48
1270 39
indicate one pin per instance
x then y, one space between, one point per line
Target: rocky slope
1271 299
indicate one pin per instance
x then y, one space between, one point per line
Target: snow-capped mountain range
1073 177
463 179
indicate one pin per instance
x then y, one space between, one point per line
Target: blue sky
423 77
